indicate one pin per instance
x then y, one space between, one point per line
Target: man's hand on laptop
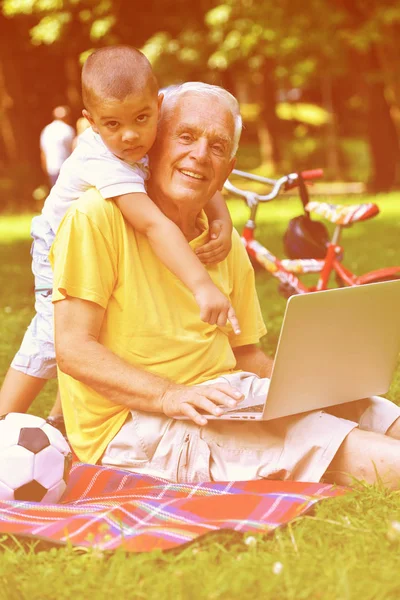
187 401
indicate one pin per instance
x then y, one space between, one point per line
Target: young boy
121 100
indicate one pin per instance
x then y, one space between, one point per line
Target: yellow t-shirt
151 319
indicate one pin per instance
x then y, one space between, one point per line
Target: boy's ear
89 117
160 100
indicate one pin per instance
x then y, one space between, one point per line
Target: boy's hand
215 308
219 245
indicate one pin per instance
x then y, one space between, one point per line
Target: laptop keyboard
258 408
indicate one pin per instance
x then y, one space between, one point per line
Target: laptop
335 346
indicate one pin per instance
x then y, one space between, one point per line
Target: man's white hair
173 92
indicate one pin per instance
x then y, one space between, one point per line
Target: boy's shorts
36 356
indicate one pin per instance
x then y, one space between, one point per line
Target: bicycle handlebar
313 174
287 182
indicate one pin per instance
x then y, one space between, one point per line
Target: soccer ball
35 459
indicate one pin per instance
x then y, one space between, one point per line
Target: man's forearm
124 384
110 376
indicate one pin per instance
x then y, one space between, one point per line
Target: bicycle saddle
343 215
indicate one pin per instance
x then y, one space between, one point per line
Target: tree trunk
332 143
73 84
19 114
266 147
268 130
6 129
388 55
382 133
7 133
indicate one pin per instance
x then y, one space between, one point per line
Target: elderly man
134 356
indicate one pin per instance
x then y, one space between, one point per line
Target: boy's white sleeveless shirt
91 164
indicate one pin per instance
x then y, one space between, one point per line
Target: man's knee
366 456
394 430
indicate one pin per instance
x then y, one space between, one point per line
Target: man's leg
394 430
369 457
320 444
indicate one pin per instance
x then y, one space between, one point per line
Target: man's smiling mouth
191 174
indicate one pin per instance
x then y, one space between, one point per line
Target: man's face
127 127
190 160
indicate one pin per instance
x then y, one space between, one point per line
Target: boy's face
127 127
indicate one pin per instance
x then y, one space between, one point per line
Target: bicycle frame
270 262
286 270
331 263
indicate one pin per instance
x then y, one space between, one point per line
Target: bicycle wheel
340 283
390 278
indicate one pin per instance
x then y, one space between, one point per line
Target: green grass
348 549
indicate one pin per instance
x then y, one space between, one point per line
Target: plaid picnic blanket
108 508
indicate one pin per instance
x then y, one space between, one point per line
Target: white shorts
300 447
36 356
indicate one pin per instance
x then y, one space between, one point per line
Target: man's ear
89 117
229 170
160 101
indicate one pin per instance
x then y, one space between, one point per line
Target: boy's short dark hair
114 72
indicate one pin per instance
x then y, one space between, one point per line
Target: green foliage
368 23
54 17
49 29
218 16
253 32
101 27
327 51
13 8
303 112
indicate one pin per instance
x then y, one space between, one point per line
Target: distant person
56 143
120 95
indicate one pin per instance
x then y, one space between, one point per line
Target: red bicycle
307 243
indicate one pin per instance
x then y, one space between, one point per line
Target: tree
258 49
274 47
261 51
69 27
370 31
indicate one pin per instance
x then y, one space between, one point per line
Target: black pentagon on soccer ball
32 492
33 439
